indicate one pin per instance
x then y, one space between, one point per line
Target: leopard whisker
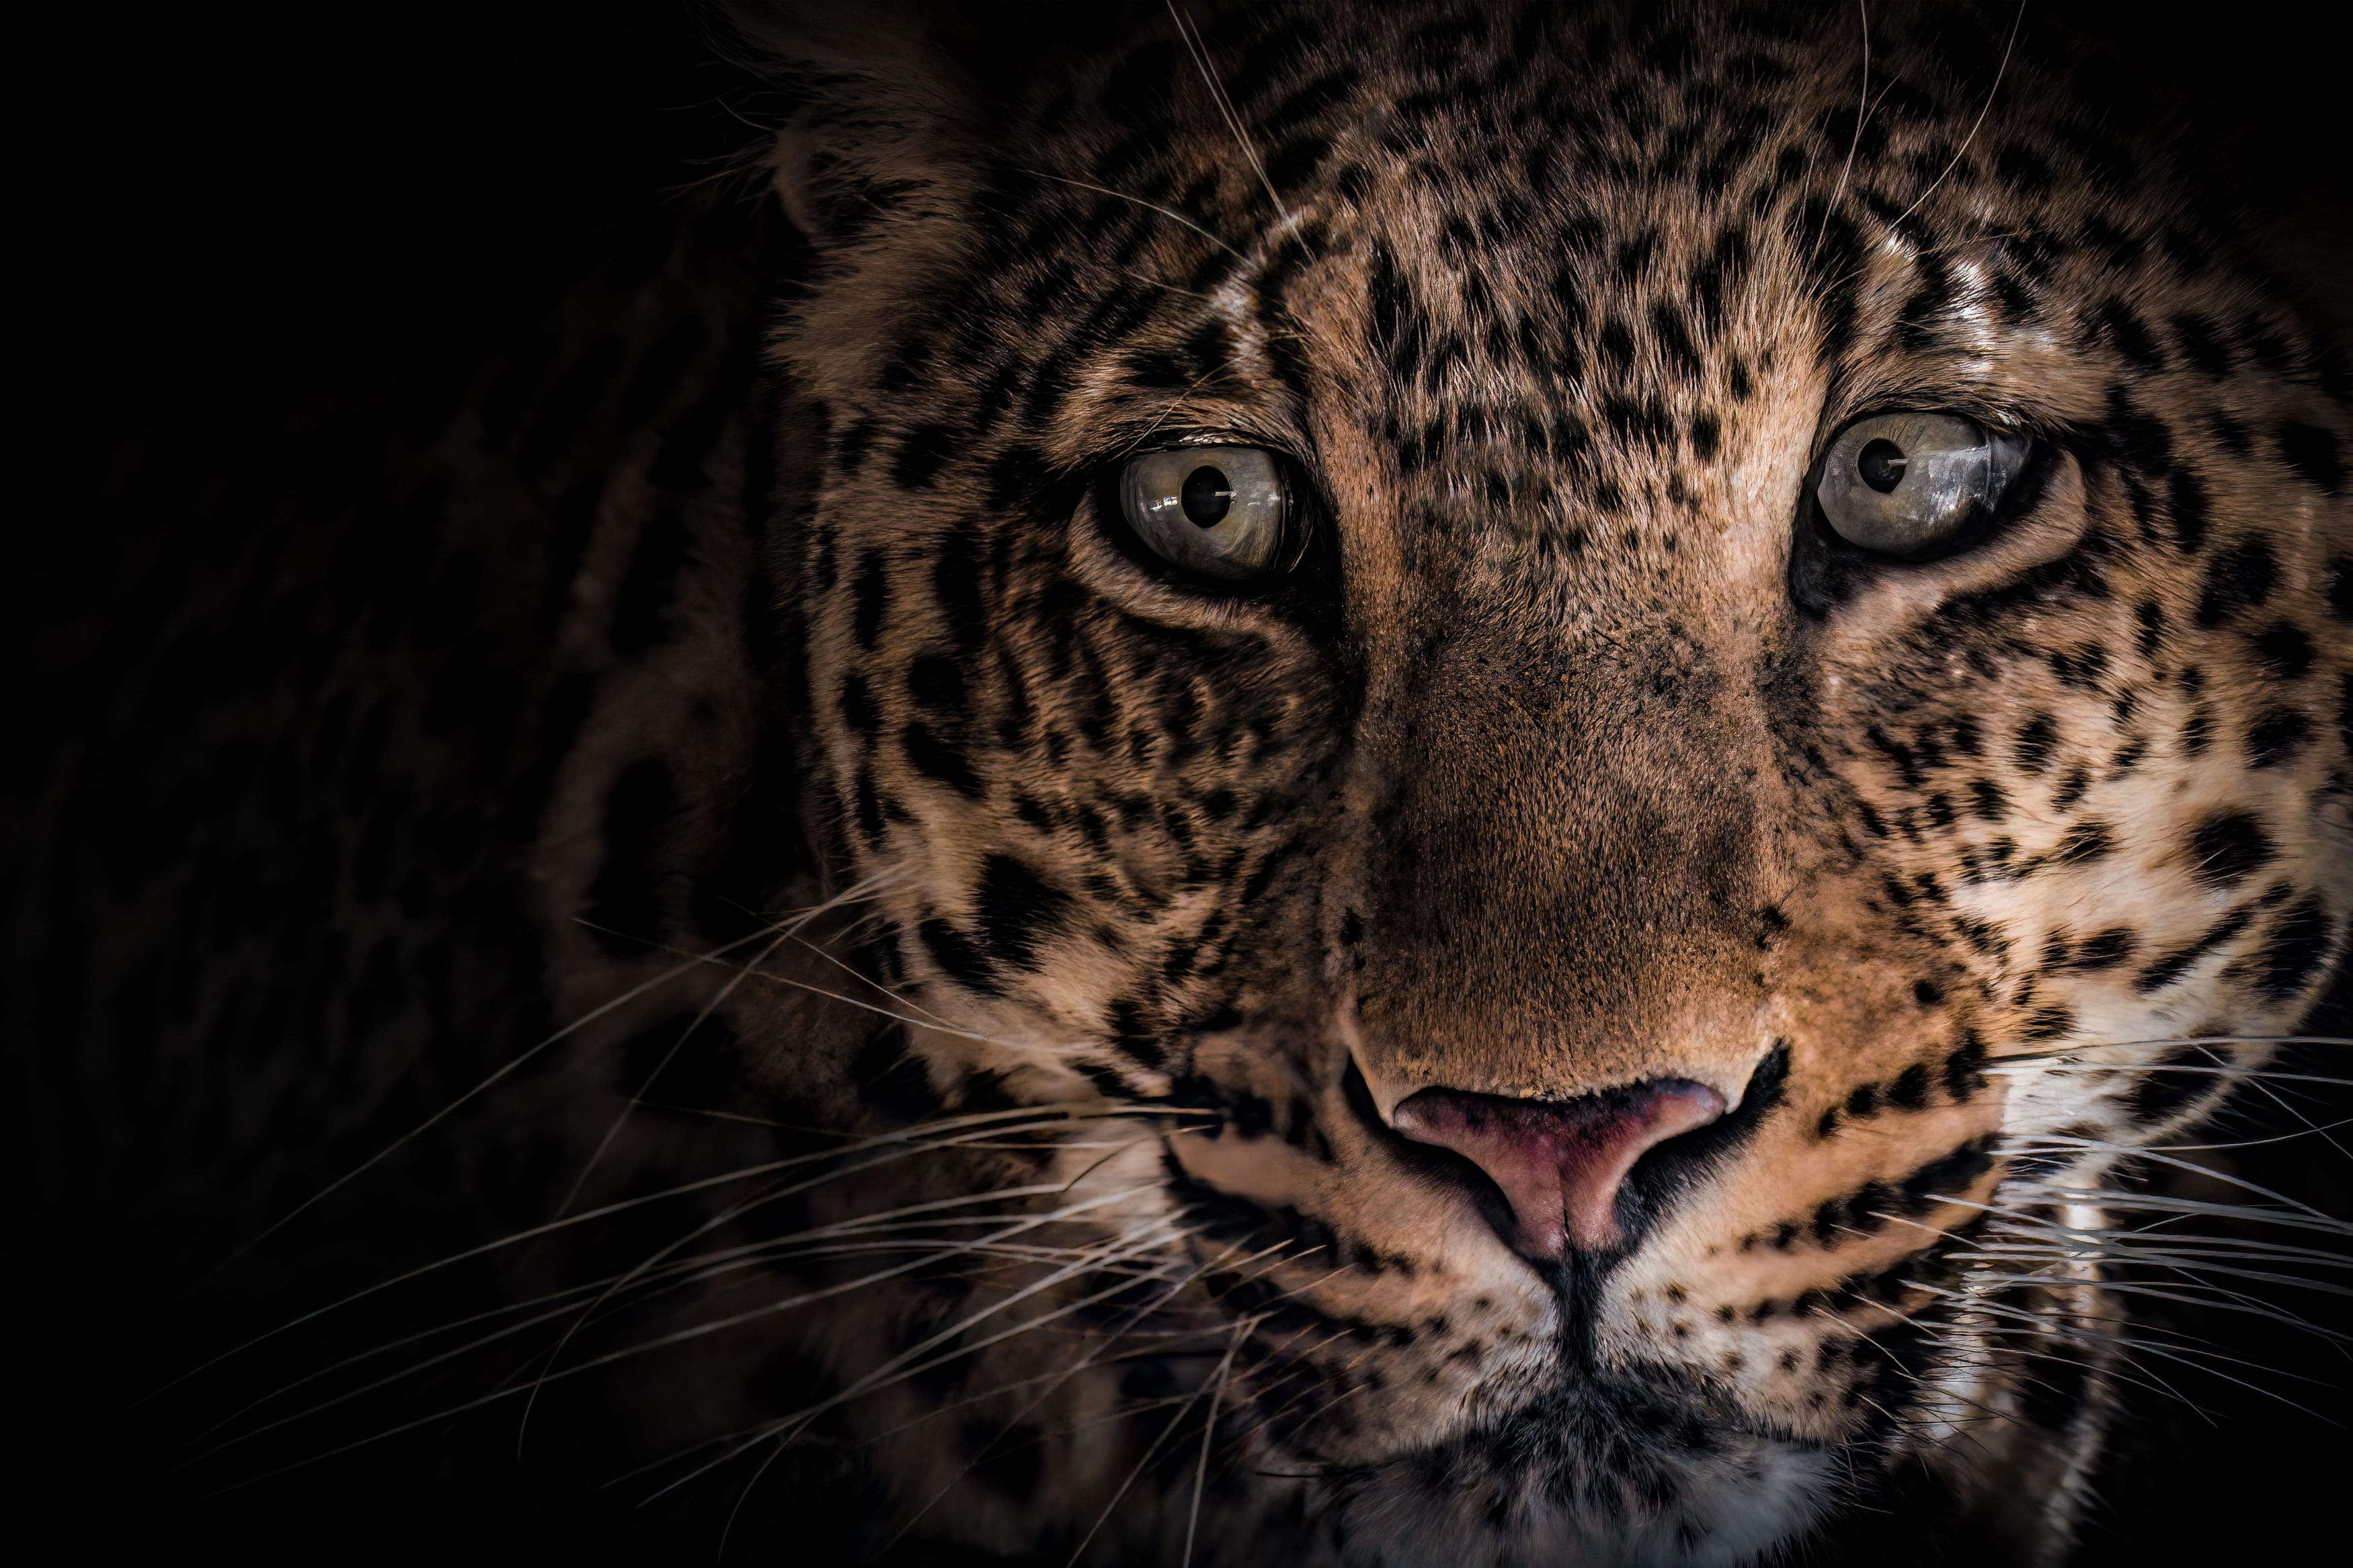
1862 108
675 1337
2060 1053
507 1069
637 1096
1169 214
702 1268
898 1368
2215 1297
2177 1207
1133 1476
2140 1347
1966 142
1199 51
1209 1434
1054 1380
2063 1141
1068 1112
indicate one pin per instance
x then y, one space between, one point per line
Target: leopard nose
1559 1163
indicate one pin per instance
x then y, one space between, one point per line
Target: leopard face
1580 953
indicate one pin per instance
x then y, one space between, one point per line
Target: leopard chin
1629 1469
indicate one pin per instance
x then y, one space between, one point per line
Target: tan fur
1565 775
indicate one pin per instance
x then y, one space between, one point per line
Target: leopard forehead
1561 768
1566 305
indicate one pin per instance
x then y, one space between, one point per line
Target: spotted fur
1571 757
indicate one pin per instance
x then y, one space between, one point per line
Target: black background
200 195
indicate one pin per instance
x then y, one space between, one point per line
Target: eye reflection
1207 495
1882 465
1913 485
1224 511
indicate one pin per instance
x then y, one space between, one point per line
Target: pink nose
1559 1163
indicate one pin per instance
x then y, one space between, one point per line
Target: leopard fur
1097 920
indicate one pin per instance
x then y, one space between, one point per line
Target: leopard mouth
1606 1449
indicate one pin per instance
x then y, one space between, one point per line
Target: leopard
1346 785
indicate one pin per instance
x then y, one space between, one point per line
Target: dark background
210 205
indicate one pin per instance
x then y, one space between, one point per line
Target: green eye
1909 485
1221 510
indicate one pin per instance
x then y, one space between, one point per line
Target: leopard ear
896 102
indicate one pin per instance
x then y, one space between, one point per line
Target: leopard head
1627 693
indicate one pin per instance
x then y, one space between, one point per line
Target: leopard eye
1910 485
1222 510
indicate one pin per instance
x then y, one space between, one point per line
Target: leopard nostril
1559 1163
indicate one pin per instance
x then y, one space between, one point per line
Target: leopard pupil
1206 495
1881 464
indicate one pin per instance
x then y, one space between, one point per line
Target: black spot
869 808
2188 505
1965 1068
1296 159
2171 967
2197 732
958 956
1617 345
957 583
921 452
2312 453
1863 1102
2277 737
2130 334
2070 789
2104 950
2340 587
849 447
2294 950
936 758
1946 1177
1134 1034
2240 578
1018 910
1868 1211
2195 335
857 707
2083 842
1910 1089
2135 440
871 597
2285 652
2036 739
2169 1083
1673 339
1015 477
936 681
2047 1023
2024 168
890 1077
